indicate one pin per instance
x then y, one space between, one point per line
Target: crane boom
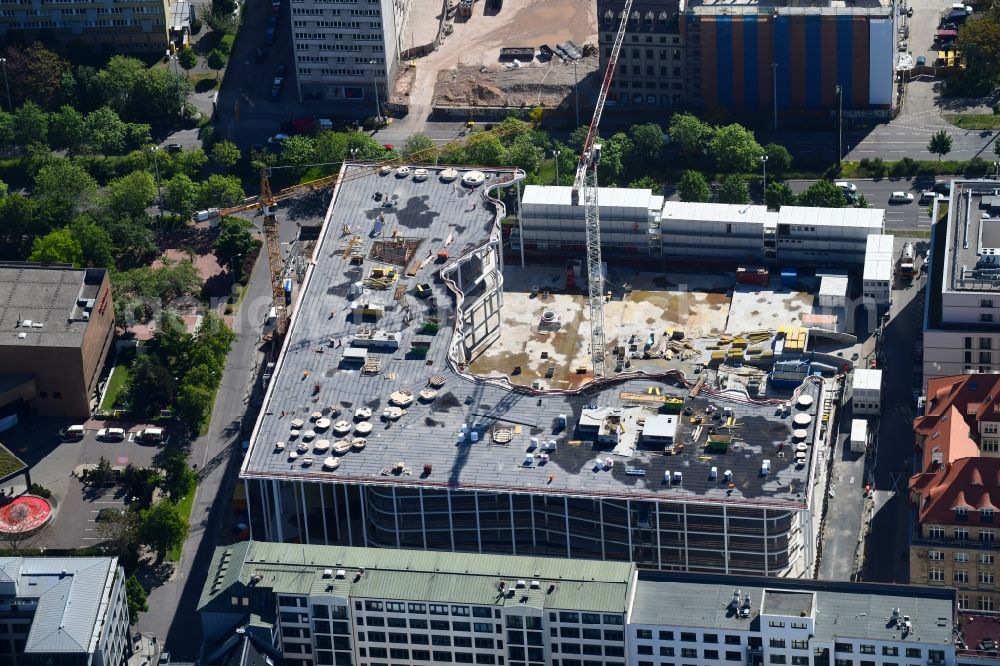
586 181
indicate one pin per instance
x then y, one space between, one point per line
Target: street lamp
378 107
159 190
555 153
6 85
840 123
763 162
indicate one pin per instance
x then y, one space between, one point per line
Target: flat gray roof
972 252
311 377
857 610
46 295
785 602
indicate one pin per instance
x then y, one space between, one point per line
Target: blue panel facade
814 61
724 59
751 84
845 42
782 56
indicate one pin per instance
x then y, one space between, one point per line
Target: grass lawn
184 506
973 120
119 375
9 463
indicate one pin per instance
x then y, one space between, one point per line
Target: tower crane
585 186
267 200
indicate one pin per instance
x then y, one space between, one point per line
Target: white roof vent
26 323
536 584
327 573
36 324
521 583
341 573
22 336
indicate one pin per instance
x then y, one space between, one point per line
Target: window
484 643
417 608
645 634
963 601
803 625
986 603
376 636
986 317
689 653
733 656
592 634
866 649
396 637
569 617
935 575
666 635
373 621
914 652
987 536
800 661
986 515
935 555
613 635
732 640
481 611
936 656
961 557
373 605
778 642
439 609
440 625
800 645
890 651
986 577
591 618
396 622
666 651
460 611
961 534
711 654
688 637
395 607
514 622
961 576
644 649
613 619
985 558
438 639
843 647
482 627
775 623
778 659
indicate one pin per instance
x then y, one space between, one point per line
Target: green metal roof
414 575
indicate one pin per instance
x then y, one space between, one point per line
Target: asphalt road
898 217
889 534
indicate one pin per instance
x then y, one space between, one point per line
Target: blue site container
789 278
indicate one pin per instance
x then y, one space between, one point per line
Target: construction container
789 278
752 275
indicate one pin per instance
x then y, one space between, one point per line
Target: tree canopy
735 149
692 186
823 194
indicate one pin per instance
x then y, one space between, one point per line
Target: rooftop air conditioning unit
520 584
341 573
536 584
327 573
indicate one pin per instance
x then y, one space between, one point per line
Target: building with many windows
69 611
955 539
347 51
801 58
366 607
130 25
962 310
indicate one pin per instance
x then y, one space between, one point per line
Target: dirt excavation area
546 84
466 69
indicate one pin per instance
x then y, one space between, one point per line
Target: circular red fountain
24 514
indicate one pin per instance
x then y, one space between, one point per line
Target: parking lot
908 217
54 464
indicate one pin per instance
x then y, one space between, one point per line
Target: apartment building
57 324
69 611
368 607
637 222
135 26
775 60
955 535
347 52
962 308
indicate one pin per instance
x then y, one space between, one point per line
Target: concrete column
534 536
347 504
246 493
322 512
265 510
725 535
687 552
423 518
765 544
566 516
276 496
305 510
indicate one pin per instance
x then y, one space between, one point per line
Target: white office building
371 607
866 391
347 52
636 222
962 310
877 276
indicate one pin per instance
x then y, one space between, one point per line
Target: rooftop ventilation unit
521 584
327 573
536 584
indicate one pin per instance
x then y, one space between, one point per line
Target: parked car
269 35
111 434
942 187
927 196
174 147
901 198
847 186
260 54
164 659
72 432
151 434
279 71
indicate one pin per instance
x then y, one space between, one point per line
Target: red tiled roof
959 484
953 409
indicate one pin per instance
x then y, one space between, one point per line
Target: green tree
996 147
646 183
150 386
57 247
647 141
137 135
180 195
220 191
67 129
692 186
734 190
106 131
136 598
419 146
161 528
193 404
131 239
778 194
735 149
226 154
159 95
31 125
779 160
217 60
95 242
940 144
485 150
187 59
34 73
140 483
233 246
118 81
535 116
178 478
62 187
525 154
191 162
100 475
298 151
120 529
823 194
862 202
979 44
6 131
690 132
130 195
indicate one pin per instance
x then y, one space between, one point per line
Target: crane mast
585 183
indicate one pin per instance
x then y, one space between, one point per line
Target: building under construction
374 432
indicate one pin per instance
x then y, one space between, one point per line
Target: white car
278 138
848 187
111 434
901 198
